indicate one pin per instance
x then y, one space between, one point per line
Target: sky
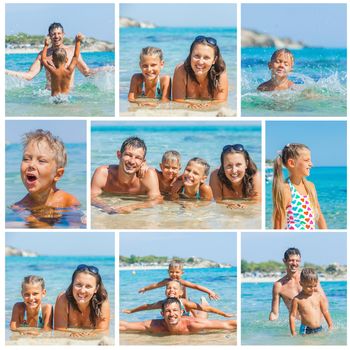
326 139
321 248
64 243
70 131
217 246
182 15
93 20
320 25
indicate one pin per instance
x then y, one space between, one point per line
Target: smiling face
56 36
235 167
309 287
84 287
281 65
151 65
303 164
175 272
39 170
173 290
170 169
32 294
131 159
194 174
292 263
172 314
202 58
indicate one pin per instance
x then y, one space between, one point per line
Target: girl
295 204
237 177
202 76
30 312
149 83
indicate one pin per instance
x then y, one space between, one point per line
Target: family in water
81 310
199 82
237 178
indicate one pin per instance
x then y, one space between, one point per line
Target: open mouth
31 178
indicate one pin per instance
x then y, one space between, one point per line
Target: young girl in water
295 204
31 312
149 83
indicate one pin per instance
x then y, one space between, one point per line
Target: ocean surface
330 183
175 44
91 96
57 272
205 141
258 330
73 181
223 281
320 77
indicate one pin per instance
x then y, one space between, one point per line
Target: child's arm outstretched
78 39
325 312
154 306
292 316
207 308
154 285
50 67
211 294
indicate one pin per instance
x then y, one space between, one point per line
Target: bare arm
134 83
134 326
61 313
165 83
144 307
207 308
221 96
33 71
200 324
15 319
154 285
206 192
179 84
211 294
48 316
73 63
49 67
292 316
275 302
325 312
216 186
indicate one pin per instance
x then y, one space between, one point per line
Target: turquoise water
331 190
223 281
57 272
175 44
91 96
257 330
319 74
73 181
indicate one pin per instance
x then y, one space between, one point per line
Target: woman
202 76
237 177
84 304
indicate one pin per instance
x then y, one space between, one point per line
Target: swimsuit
184 312
158 94
300 215
197 196
40 323
308 330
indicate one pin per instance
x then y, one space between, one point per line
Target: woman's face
202 58
235 167
84 287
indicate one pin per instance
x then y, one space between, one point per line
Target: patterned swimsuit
300 215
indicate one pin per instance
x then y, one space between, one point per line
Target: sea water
57 272
205 141
330 183
91 96
258 330
175 44
73 182
222 281
320 79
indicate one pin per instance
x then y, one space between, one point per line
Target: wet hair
171 155
308 275
33 279
283 51
96 301
202 162
291 251
54 143
215 71
133 142
176 281
169 301
176 263
151 51
290 151
59 56
248 178
55 25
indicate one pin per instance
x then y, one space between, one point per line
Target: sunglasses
237 147
208 39
83 267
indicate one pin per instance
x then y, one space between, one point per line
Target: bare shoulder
137 78
47 308
165 79
264 86
180 69
65 199
61 299
20 306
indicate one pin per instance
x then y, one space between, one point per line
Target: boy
170 167
60 74
280 65
310 304
192 185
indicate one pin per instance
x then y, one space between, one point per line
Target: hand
228 315
126 311
199 105
236 206
79 37
34 333
124 210
213 295
142 171
142 290
294 334
147 104
47 41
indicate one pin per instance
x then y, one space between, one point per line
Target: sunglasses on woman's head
237 147
83 267
208 39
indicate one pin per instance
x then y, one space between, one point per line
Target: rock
251 38
11 251
128 22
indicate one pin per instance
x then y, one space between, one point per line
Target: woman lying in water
202 76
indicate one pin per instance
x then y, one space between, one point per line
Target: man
56 34
174 323
289 285
124 179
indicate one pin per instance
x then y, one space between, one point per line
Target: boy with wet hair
310 304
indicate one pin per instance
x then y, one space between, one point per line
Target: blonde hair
282 51
54 143
290 151
308 275
176 263
33 279
151 51
171 155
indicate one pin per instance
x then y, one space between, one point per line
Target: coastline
165 267
38 49
341 278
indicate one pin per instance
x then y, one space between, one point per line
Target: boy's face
281 66
151 66
170 168
173 290
175 273
131 159
292 263
39 170
32 295
194 174
56 36
309 287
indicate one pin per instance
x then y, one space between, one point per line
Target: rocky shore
129 22
11 251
